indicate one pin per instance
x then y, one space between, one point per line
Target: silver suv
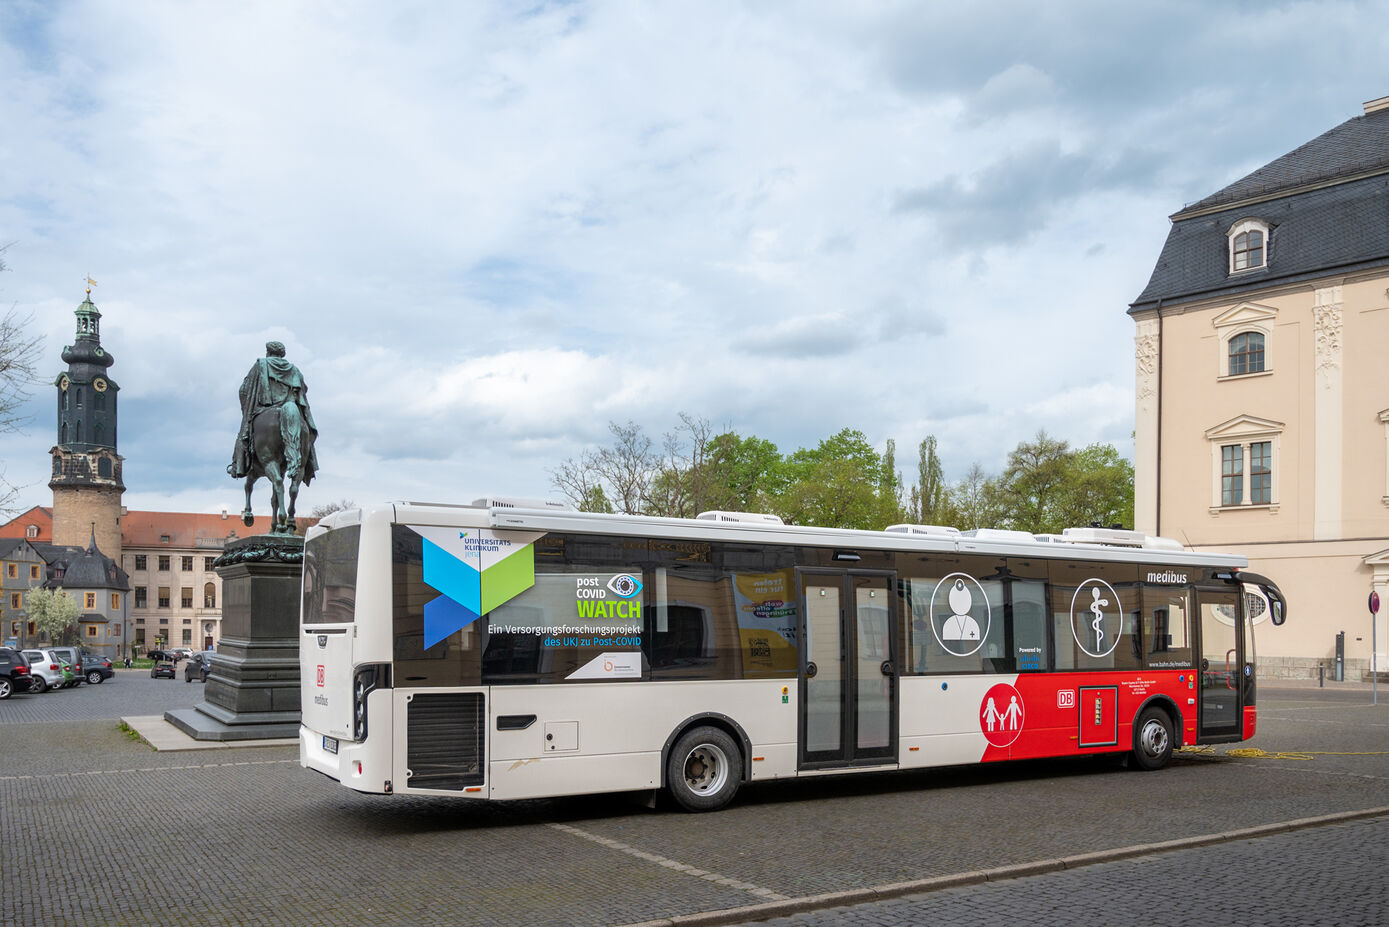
46 670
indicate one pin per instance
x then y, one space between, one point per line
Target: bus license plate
330 744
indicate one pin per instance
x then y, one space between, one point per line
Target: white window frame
1239 228
1245 430
1245 318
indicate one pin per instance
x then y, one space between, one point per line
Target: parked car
96 668
163 671
14 672
49 670
181 653
73 655
160 656
199 665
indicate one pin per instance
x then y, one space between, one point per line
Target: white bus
500 652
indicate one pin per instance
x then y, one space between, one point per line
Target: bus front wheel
1152 739
704 770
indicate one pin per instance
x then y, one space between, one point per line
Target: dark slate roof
83 569
8 545
1339 228
1354 147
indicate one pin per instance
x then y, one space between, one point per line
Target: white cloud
484 234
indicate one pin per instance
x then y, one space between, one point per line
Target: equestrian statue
277 435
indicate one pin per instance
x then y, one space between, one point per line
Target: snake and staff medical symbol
1096 629
1097 608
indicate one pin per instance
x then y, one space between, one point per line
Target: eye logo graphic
624 585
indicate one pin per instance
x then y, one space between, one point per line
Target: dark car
163 671
96 669
14 672
198 666
160 656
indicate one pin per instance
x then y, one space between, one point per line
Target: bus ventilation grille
445 738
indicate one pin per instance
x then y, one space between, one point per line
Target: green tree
974 501
745 474
1099 489
20 353
930 496
54 612
1032 489
841 483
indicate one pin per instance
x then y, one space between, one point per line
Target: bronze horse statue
277 435
269 460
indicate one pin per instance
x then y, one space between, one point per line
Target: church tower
86 479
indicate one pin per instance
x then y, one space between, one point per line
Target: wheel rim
4 688
93 678
1154 738
706 769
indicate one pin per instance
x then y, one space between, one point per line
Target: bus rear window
330 577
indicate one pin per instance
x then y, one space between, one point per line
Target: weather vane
90 283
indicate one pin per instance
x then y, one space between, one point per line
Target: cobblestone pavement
249 837
1327 875
129 692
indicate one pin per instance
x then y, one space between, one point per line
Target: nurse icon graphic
957 599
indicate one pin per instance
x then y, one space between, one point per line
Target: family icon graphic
960 626
1001 715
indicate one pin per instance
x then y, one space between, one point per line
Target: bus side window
1167 626
1030 626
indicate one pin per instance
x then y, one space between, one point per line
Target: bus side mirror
1277 607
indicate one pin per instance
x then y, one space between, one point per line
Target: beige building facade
1262 401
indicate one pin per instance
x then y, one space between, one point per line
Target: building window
164 561
185 598
207 562
141 562
91 630
187 636
32 531
209 596
34 571
115 601
163 596
1231 474
188 564
1248 245
12 570
16 600
90 599
1261 473
141 597
1246 353
1244 460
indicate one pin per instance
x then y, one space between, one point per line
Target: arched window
209 595
1249 241
1246 353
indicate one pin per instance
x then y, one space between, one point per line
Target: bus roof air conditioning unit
746 518
1001 534
509 502
1112 536
935 531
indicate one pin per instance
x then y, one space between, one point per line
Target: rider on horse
275 383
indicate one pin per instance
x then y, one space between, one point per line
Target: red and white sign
1065 698
1001 715
320 676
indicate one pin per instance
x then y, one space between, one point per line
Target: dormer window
1248 245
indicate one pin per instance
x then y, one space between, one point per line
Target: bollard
1340 656
1321 675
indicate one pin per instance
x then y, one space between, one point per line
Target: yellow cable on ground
1254 753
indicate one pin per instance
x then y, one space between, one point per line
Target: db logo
1065 698
320 676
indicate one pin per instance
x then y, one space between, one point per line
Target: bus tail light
365 681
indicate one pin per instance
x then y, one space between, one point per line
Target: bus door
848 682
1222 665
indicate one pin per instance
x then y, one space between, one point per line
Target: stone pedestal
253 690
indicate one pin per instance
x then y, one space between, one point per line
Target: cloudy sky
484 231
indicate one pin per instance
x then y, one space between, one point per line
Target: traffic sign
1374 603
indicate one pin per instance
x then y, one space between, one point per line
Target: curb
771 909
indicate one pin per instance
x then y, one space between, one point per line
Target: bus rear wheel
1152 739
704 770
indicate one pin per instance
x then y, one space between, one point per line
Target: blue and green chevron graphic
475 570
